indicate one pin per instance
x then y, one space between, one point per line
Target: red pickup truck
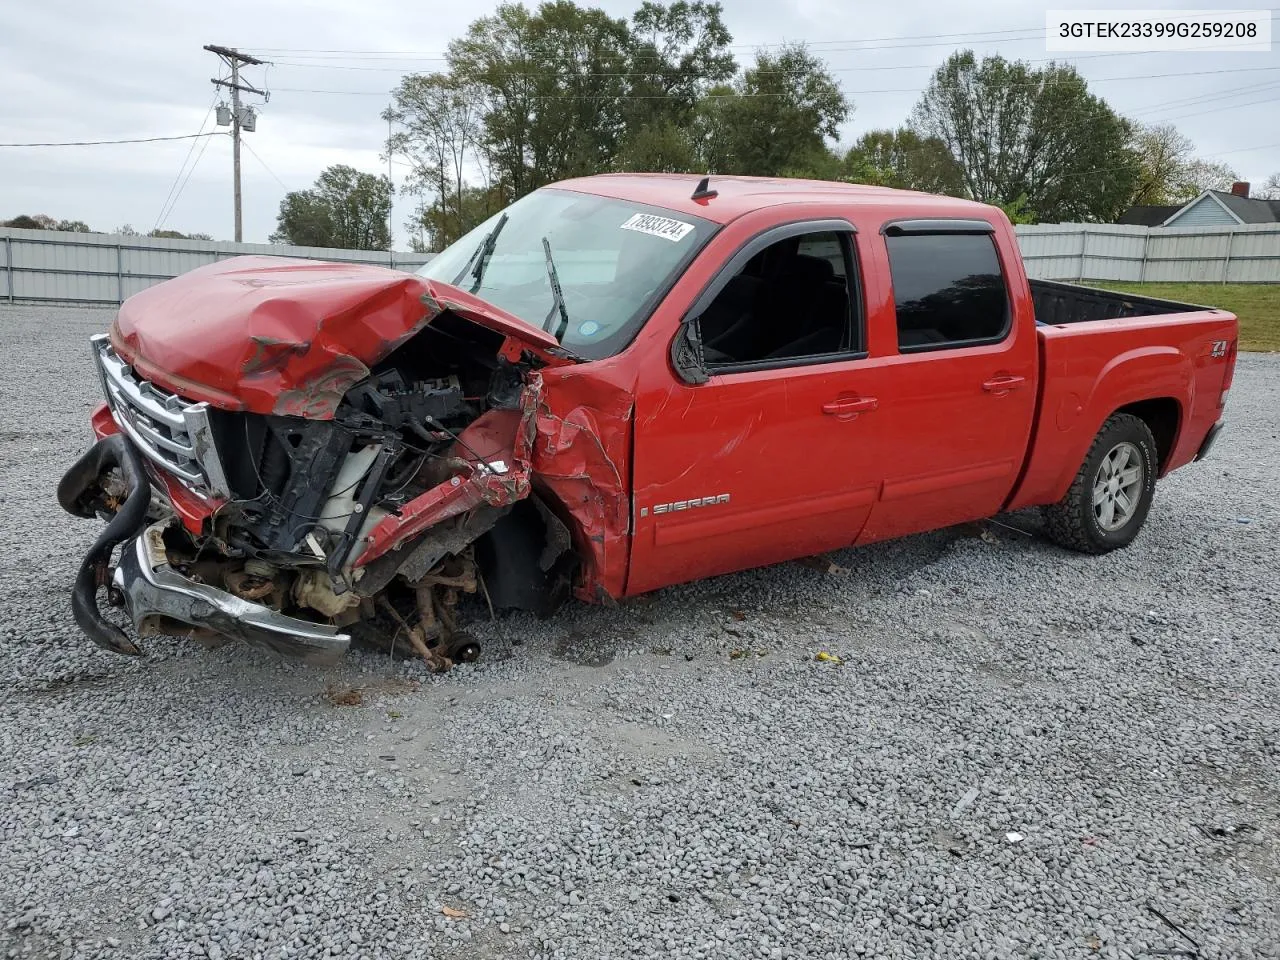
616 384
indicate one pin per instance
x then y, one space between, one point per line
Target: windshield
614 261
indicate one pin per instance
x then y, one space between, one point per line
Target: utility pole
233 59
391 200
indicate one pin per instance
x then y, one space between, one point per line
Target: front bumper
161 600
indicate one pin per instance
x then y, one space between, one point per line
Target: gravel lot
620 783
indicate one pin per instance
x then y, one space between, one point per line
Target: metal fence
89 268
50 266
1092 251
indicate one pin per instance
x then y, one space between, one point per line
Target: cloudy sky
94 70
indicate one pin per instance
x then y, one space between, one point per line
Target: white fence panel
90 268
1090 251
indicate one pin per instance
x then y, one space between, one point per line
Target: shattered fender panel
499 436
571 436
457 495
581 455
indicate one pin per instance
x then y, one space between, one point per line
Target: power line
1221 108
1220 153
1036 33
657 72
178 176
1200 98
731 96
255 156
99 143
178 196
821 46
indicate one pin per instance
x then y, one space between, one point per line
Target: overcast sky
94 70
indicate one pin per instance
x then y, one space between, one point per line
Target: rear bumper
159 599
1209 439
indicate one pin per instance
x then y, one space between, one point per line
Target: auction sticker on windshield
668 229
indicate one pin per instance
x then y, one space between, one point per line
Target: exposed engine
307 498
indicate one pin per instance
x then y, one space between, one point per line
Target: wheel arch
1152 382
1163 417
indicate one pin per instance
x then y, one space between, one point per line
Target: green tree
903 159
437 121
42 221
177 235
346 209
679 52
778 119
1168 170
1206 175
434 223
551 85
1017 210
1019 131
660 146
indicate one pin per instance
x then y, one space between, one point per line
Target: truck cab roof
737 196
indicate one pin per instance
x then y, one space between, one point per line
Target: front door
767 460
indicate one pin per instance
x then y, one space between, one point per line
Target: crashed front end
302 458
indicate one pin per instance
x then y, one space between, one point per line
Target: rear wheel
1111 495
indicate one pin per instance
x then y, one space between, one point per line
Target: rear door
955 375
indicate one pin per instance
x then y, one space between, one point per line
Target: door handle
845 407
1002 384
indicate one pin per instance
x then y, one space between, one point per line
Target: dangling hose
112 451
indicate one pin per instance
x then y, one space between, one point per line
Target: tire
1107 504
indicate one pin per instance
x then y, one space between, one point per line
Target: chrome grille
169 431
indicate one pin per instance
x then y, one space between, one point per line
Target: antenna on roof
703 190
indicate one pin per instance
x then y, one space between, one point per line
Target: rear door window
948 290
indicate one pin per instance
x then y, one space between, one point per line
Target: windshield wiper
557 305
479 259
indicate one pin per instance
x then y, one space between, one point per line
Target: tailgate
1177 364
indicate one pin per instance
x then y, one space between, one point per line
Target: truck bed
1058 303
1171 360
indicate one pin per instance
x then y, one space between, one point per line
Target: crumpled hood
280 336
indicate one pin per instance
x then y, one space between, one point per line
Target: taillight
1229 375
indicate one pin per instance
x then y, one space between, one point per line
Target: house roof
1250 209
1244 209
1148 215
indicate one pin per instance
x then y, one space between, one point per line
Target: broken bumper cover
158 597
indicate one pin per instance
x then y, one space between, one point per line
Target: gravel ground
1025 752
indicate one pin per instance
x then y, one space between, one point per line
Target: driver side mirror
686 353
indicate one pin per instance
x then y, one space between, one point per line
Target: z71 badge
677 505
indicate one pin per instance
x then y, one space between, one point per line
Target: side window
948 290
824 246
794 299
